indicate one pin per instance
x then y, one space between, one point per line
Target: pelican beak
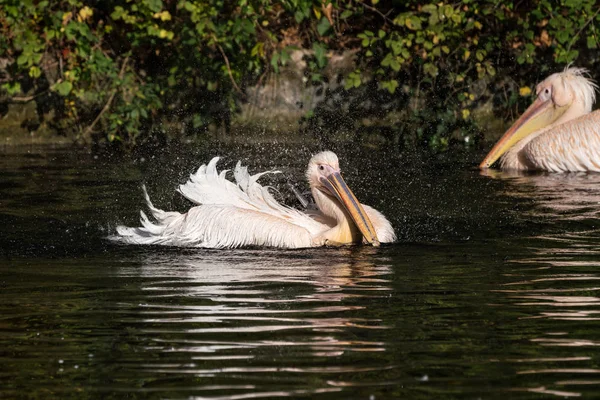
539 115
337 186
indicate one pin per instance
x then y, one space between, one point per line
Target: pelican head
561 97
335 199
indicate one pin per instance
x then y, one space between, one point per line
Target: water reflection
239 315
493 287
557 285
570 196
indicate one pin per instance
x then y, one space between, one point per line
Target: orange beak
337 186
539 115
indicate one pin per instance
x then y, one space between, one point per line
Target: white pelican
557 132
245 214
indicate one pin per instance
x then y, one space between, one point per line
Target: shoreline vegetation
437 75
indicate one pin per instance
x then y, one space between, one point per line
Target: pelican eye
321 167
545 94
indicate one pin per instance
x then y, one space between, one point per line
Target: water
491 291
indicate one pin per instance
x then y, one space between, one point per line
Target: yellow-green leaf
34 72
525 91
63 88
163 15
84 14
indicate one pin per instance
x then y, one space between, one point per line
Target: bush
120 70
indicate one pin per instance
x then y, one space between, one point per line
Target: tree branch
581 29
228 67
106 107
385 17
26 99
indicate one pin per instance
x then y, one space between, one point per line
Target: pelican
558 132
229 215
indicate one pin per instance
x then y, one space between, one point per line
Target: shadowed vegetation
429 73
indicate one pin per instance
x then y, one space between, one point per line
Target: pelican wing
228 215
571 146
216 226
209 187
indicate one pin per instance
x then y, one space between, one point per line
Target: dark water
491 291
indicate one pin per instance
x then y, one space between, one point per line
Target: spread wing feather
228 215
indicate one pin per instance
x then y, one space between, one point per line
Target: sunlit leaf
63 88
525 91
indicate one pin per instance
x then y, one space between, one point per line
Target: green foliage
119 70
451 57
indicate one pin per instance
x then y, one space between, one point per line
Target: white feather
571 143
237 214
569 147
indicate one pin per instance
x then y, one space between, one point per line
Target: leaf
63 88
299 16
12 88
396 46
434 18
154 5
317 12
390 85
563 36
163 16
346 14
258 49
85 13
429 8
285 56
35 72
413 23
275 61
323 26
22 59
525 91
448 11
320 56
387 60
430 69
353 80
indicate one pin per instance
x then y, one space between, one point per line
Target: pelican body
229 215
558 132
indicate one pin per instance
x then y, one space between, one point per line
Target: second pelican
245 214
557 132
